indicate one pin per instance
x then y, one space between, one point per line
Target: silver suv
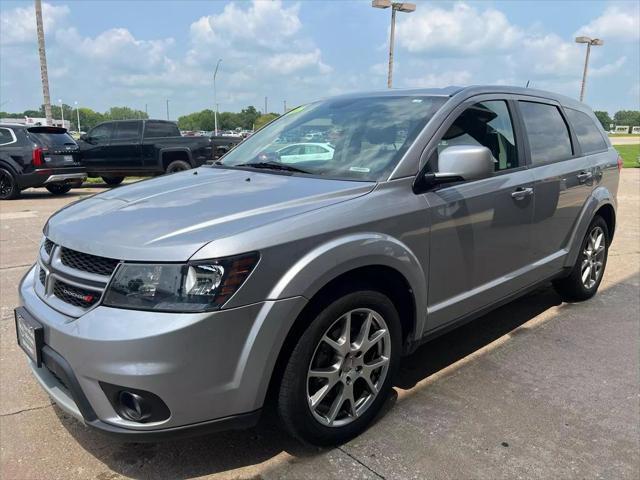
175 305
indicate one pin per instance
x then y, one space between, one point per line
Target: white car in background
305 152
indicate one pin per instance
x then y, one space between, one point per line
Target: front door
480 230
94 147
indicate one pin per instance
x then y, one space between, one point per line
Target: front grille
88 263
42 276
78 297
48 246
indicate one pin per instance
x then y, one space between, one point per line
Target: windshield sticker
359 169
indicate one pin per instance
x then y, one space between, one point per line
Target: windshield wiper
272 166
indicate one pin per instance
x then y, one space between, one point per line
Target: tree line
630 118
88 117
248 118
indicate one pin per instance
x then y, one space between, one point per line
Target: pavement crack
25 410
359 462
11 267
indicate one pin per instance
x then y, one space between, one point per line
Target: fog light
133 406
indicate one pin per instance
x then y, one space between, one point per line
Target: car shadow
222 452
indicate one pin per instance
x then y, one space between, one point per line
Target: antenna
527 85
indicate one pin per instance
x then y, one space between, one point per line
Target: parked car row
188 303
50 157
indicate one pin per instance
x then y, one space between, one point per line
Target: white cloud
264 23
459 30
609 68
615 24
443 79
287 63
18 26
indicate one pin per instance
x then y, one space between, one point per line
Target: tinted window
589 136
101 133
548 135
161 129
5 136
51 137
487 124
127 131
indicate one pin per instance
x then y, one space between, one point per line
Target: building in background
37 121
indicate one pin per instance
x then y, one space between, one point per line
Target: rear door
563 179
125 149
480 230
94 147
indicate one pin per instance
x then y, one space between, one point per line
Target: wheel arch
168 155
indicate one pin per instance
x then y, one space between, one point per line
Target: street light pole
589 41
395 6
215 99
78 113
61 111
167 109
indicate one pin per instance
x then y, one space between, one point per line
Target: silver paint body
462 249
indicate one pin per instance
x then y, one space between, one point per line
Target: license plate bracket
30 335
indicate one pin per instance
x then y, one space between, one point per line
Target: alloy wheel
348 367
6 184
593 258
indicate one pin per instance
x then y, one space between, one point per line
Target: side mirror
462 162
84 137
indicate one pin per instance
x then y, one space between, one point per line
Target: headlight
192 287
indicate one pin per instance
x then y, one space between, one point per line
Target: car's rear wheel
585 277
8 185
178 166
58 188
112 181
341 370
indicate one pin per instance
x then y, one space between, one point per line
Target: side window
487 124
101 133
127 131
161 129
5 136
548 135
589 136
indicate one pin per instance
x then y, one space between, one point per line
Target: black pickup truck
114 150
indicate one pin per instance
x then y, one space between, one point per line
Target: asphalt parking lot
536 389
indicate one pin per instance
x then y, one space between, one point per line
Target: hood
169 218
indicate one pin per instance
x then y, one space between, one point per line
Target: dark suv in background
38 157
114 150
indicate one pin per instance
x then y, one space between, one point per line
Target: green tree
264 119
627 117
125 113
604 119
248 117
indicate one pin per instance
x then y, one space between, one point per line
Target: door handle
585 176
521 193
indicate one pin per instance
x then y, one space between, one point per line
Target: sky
141 53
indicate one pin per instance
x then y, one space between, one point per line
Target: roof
451 91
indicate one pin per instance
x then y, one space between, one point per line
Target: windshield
344 138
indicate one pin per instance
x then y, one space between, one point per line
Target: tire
177 166
112 181
58 188
8 186
299 386
591 262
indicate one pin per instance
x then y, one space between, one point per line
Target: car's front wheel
58 188
341 370
112 181
585 277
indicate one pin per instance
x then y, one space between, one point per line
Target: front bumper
211 369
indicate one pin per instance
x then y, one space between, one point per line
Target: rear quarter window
588 133
548 135
6 136
161 129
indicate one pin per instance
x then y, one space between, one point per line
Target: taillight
620 162
37 157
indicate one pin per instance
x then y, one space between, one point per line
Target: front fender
341 255
599 197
